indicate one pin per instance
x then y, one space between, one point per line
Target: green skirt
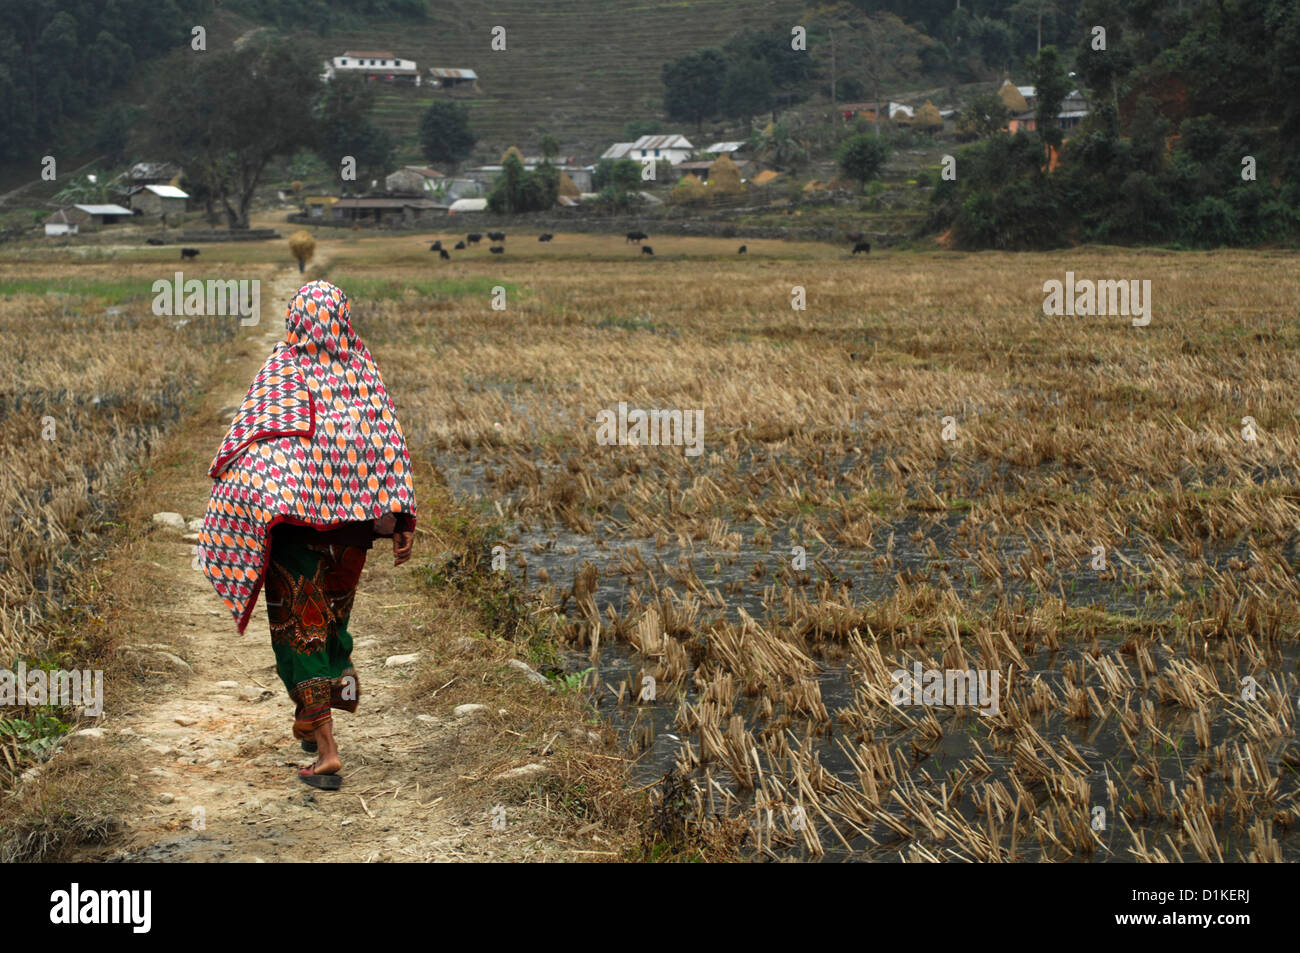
309 593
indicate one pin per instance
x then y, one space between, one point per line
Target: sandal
325 782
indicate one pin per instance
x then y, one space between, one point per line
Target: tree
693 86
1051 86
862 156
224 116
746 90
983 116
345 128
623 175
445 134
549 145
518 190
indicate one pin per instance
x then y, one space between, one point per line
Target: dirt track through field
213 749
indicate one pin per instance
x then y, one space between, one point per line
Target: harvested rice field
913 573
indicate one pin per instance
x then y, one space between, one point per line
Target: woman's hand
402 547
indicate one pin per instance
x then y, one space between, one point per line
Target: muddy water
650 728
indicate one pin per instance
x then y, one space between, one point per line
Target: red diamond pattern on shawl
349 463
278 404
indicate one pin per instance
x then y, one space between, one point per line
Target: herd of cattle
473 238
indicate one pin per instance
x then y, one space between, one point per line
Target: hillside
578 71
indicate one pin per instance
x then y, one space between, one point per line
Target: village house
894 112
316 206
414 179
60 224
1021 101
160 200
87 218
674 148
373 66
453 80
385 211
151 173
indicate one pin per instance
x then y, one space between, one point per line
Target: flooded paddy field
935 578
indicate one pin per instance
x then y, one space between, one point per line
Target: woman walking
313 469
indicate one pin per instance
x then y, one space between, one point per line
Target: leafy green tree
518 190
862 156
983 116
346 129
746 90
203 118
623 175
1051 86
693 86
445 134
549 145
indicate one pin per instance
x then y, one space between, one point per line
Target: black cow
436 246
496 236
497 250
647 250
459 246
546 237
636 236
189 253
442 253
154 241
743 249
864 247
473 238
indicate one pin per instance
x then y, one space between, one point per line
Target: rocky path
212 745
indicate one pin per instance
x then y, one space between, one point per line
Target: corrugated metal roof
439 72
167 191
618 150
672 141
370 55
725 147
103 209
386 203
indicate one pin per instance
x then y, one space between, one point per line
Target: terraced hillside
578 70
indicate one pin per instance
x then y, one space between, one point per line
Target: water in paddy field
626 563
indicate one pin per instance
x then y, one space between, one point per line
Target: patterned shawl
316 442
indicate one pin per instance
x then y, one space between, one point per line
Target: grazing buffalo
436 246
459 246
497 250
189 253
647 250
864 247
545 237
636 236
154 241
496 236
744 249
442 253
473 238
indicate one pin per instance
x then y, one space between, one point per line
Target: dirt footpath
209 740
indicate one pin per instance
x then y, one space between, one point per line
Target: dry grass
1120 686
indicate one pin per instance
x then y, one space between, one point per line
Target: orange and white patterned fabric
316 442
